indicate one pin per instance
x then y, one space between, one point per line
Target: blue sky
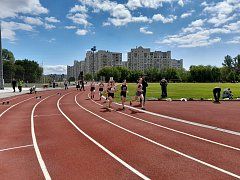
59 32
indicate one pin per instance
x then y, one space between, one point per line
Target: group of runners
111 89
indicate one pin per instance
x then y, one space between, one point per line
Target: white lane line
185 121
17 147
161 145
36 148
101 146
14 106
174 130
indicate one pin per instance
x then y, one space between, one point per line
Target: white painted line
17 147
101 146
36 148
14 106
161 145
174 130
185 121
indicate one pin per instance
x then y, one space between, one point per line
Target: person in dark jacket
14 84
216 94
163 84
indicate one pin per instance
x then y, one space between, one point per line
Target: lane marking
36 148
14 106
101 146
47 115
17 147
185 121
161 145
174 130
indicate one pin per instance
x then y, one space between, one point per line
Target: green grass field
183 90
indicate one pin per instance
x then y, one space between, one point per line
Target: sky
55 33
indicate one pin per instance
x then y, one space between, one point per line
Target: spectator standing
14 84
163 84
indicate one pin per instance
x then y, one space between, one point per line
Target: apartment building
142 58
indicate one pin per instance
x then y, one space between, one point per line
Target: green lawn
183 90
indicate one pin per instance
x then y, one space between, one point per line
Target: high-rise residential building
101 59
74 71
142 58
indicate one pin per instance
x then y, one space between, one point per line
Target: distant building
74 71
102 59
138 59
125 64
142 58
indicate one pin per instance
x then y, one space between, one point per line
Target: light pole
1 60
93 49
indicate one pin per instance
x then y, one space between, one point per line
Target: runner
111 89
123 93
139 94
101 86
92 89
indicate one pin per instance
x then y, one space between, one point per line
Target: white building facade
142 58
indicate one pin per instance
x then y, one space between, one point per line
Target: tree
108 72
8 55
124 73
152 74
19 72
135 75
228 62
88 77
32 70
71 79
236 63
8 71
216 74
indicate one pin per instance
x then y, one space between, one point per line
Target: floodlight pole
1 60
93 49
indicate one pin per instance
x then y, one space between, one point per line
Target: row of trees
230 72
26 70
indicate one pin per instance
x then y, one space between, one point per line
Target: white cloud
70 27
79 19
145 31
199 39
154 4
160 17
222 12
32 20
49 26
81 32
106 24
181 3
187 14
78 8
235 40
234 27
57 69
9 28
11 8
52 19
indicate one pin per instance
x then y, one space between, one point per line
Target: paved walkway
8 91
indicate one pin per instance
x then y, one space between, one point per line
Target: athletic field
183 90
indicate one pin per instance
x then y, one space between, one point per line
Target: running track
69 136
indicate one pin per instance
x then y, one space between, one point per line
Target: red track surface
78 139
